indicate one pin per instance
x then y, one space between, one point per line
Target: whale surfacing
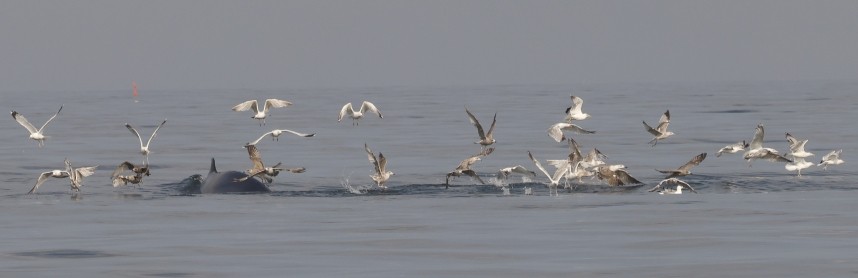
225 182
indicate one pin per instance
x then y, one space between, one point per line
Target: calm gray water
757 221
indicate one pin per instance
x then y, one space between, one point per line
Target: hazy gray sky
102 45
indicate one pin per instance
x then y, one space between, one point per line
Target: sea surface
330 221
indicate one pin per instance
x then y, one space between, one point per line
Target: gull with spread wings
486 138
684 170
660 132
366 106
464 167
75 176
144 149
35 134
275 135
261 114
380 173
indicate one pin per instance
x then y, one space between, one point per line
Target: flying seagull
35 134
75 176
757 151
266 174
832 158
261 114
797 165
380 173
574 111
734 148
556 131
660 132
357 115
275 135
504 173
615 175
796 147
487 138
144 149
464 167
684 170
554 180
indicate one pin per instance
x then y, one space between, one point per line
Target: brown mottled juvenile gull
660 132
486 138
380 173
685 169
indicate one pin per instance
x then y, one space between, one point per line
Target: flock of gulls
575 166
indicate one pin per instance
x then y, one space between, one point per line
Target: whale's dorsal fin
213 169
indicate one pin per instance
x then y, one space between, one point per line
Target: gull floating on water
734 148
554 180
266 174
660 132
556 131
615 175
380 173
487 138
757 151
661 189
796 147
275 135
832 158
144 149
35 134
75 176
357 115
464 167
261 114
684 170
797 165
574 111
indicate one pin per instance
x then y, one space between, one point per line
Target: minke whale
225 182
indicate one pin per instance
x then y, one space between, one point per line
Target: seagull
796 147
798 164
261 114
756 150
661 189
35 134
144 149
357 115
556 131
380 173
464 167
615 175
504 173
75 176
660 132
121 180
734 148
266 174
832 158
275 135
574 111
684 170
139 171
554 179
486 139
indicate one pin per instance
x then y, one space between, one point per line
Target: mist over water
331 220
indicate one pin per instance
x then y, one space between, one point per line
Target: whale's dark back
225 182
